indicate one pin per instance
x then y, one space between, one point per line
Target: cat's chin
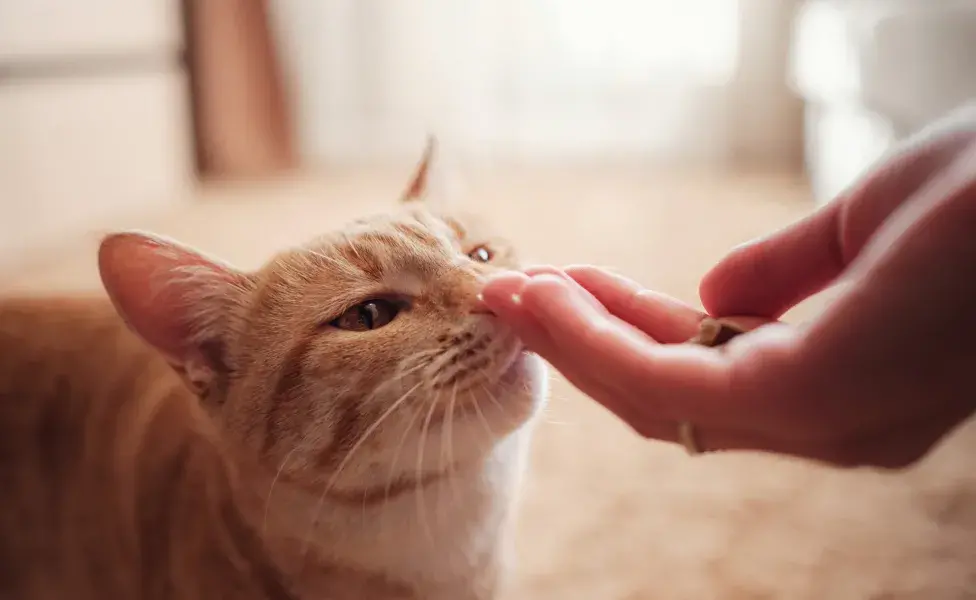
514 396
520 371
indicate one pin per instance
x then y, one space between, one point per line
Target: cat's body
339 424
113 486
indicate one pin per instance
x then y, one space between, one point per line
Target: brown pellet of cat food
715 332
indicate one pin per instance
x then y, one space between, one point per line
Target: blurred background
648 135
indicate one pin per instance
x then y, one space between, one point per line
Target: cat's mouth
508 371
476 387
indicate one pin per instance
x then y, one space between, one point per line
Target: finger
586 295
662 317
507 285
911 299
766 277
667 380
504 296
502 290
557 272
769 276
501 295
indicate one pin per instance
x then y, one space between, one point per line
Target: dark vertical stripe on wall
190 33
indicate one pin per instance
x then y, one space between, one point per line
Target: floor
606 515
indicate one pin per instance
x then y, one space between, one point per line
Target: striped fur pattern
207 432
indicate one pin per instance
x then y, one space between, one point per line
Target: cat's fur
252 450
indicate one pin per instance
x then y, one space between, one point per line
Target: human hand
877 378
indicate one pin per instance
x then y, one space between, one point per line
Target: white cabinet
94 117
875 71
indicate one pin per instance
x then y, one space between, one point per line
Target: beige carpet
607 515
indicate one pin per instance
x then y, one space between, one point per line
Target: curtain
540 80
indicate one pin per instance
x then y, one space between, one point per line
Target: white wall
94 117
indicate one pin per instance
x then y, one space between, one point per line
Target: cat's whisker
267 502
502 409
495 401
330 261
421 504
449 435
345 461
397 378
420 354
413 362
442 453
481 417
351 243
547 410
398 450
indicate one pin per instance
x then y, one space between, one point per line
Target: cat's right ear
175 298
420 182
433 184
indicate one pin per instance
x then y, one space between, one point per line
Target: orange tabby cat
340 424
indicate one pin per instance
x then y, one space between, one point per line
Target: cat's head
344 358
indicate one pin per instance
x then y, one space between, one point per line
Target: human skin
877 378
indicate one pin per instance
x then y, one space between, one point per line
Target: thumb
767 277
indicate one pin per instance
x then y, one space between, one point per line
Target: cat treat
714 332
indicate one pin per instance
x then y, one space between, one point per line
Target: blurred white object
672 80
94 117
874 71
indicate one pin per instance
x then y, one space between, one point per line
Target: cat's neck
448 538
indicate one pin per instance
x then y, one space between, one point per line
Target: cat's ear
418 186
178 300
429 183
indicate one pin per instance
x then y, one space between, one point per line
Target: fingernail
576 292
571 290
503 290
495 304
479 306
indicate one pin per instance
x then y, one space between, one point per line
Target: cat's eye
481 254
365 316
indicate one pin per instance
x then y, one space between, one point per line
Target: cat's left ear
428 184
180 301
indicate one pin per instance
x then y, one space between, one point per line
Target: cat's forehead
377 246
407 225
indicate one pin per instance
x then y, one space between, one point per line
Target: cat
342 423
